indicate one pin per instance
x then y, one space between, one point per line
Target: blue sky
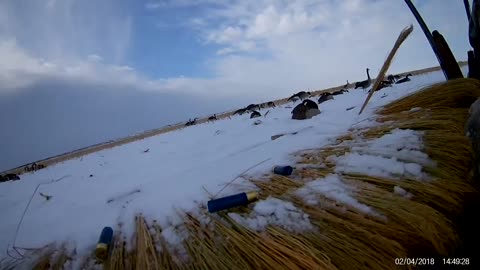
183 58
168 45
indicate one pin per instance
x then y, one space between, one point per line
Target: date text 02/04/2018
414 261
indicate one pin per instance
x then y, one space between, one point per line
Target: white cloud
169 4
225 51
16 62
94 58
246 45
228 35
315 44
51 3
67 30
19 70
153 5
197 22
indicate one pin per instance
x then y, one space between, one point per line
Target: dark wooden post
472 130
444 54
473 68
426 31
451 67
474 39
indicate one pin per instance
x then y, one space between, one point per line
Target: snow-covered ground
111 186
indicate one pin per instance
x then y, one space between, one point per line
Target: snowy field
111 186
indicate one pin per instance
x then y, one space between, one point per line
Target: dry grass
237 247
422 225
46 258
343 237
455 94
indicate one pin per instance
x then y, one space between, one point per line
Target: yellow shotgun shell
101 252
252 195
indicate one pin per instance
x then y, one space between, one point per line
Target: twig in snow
240 175
265 115
208 192
25 211
274 137
364 120
47 197
123 195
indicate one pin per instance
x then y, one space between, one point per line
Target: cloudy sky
78 72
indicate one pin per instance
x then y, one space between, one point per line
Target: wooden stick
401 38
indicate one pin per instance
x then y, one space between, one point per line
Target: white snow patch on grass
415 109
393 155
376 166
333 188
402 192
174 237
400 139
275 212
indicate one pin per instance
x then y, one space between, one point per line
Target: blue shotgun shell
283 170
104 242
231 201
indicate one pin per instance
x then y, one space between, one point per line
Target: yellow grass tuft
44 262
119 255
453 94
277 186
146 255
